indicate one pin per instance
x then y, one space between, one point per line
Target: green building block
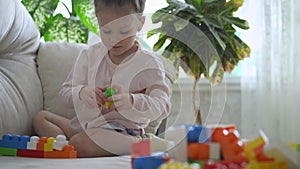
110 92
298 149
201 163
8 151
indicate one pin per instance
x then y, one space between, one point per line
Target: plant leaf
153 32
243 24
216 36
42 12
180 24
85 11
66 30
218 74
161 40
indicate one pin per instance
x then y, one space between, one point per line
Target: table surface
120 162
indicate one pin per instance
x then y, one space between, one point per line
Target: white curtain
271 77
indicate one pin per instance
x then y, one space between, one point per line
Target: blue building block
14 141
149 162
197 133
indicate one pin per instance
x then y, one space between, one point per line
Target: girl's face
118 26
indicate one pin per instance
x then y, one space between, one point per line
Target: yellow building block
48 146
267 165
250 147
108 104
294 146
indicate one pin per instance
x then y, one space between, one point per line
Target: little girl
143 90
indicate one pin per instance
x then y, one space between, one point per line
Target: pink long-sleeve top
143 75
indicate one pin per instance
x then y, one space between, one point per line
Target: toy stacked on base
211 147
142 156
108 93
221 147
25 146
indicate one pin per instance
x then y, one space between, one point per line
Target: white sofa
31 74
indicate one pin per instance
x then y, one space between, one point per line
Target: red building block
67 152
31 153
226 165
141 148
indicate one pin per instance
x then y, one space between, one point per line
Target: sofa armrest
20 88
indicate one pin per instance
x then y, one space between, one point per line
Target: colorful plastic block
295 147
48 146
217 131
41 143
67 152
177 165
31 153
141 148
231 146
254 150
8 151
204 151
32 144
198 151
268 165
199 162
60 142
149 162
108 93
197 133
226 165
14 141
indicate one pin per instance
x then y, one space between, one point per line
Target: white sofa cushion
20 88
55 61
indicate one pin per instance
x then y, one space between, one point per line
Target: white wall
224 101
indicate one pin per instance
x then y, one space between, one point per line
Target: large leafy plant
200 36
56 27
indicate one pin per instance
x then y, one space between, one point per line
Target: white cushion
55 61
20 88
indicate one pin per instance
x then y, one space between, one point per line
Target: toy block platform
25 146
67 152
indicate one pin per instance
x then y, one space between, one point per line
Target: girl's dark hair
139 5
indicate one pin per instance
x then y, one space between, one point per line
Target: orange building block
216 132
67 152
40 145
233 152
198 151
231 146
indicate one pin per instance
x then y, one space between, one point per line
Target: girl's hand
121 101
92 97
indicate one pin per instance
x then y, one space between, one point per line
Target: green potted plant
200 36
56 27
